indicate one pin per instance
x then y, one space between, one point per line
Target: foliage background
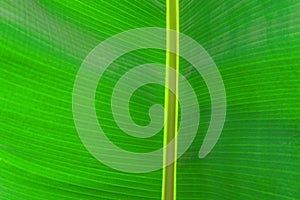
256 46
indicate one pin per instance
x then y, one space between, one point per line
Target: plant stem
171 102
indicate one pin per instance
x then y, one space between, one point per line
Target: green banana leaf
256 47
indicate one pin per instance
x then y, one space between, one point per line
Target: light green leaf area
256 46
